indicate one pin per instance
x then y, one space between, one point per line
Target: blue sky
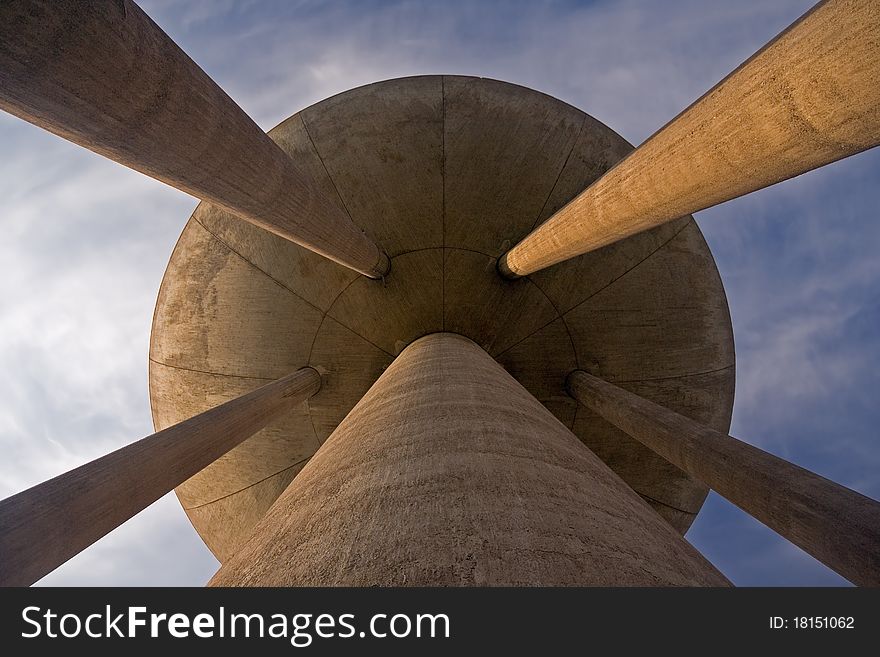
85 243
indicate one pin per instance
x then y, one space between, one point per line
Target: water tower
440 330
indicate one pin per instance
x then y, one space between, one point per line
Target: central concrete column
448 472
103 75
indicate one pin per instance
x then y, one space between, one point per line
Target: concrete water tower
440 330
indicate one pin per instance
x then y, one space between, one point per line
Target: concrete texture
809 97
239 305
836 525
46 525
125 90
449 472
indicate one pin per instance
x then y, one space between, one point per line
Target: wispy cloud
631 64
85 244
800 267
799 263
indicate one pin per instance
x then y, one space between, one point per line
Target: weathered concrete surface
810 97
667 488
242 484
239 305
371 167
104 76
838 526
448 472
504 148
46 525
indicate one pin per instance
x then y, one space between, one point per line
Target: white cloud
85 244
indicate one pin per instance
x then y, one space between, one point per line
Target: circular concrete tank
445 173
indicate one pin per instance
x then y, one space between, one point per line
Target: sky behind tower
85 243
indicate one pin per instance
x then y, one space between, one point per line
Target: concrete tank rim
418 76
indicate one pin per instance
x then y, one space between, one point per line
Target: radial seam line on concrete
668 506
594 293
256 483
298 296
614 280
351 330
559 175
564 323
192 369
255 265
326 170
676 376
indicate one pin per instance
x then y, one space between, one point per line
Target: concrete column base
448 472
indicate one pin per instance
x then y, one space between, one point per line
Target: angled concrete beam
103 75
808 98
836 525
46 525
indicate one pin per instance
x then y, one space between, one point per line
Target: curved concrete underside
445 173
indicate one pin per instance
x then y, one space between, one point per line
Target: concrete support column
836 525
104 76
448 472
46 525
809 97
